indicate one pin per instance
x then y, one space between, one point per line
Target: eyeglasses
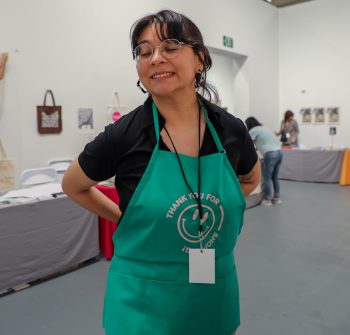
168 48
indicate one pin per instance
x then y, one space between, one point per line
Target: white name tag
202 266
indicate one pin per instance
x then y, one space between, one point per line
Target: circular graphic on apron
188 222
186 216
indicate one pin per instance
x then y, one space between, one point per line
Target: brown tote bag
49 117
7 170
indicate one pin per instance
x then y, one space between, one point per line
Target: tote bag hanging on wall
49 117
115 110
7 170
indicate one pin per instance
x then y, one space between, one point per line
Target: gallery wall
80 49
314 53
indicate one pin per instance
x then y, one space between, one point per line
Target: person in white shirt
268 145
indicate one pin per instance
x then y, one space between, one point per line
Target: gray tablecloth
41 238
254 200
311 165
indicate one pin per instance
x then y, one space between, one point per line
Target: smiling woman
169 48
176 34
160 74
176 162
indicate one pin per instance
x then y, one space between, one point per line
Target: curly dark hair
178 26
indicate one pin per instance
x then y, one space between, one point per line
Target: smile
162 75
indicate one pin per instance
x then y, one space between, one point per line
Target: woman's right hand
80 188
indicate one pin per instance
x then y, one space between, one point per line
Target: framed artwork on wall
333 116
85 118
306 116
319 115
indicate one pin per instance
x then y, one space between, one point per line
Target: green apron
148 290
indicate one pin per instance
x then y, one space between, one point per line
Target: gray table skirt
311 165
254 200
41 238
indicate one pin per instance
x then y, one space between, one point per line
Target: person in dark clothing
182 167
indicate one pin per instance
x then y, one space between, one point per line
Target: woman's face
290 118
162 76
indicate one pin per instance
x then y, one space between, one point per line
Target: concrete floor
293 263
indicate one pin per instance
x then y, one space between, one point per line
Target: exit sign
228 41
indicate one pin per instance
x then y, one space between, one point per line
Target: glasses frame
160 50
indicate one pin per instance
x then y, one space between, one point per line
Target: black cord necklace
199 168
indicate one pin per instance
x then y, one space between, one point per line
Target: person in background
182 168
289 130
270 148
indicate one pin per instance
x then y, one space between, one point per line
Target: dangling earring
198 78
138 84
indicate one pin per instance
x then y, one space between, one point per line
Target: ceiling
284 3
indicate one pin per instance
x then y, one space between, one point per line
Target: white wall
81 50
222 78
314 49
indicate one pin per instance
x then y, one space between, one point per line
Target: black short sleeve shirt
124 148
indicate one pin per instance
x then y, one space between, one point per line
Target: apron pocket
138 306
124 307
183 308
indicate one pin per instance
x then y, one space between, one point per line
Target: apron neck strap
204 111
155 120
212 129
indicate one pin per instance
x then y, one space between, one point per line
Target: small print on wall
333 115
319 115
85 119
306 116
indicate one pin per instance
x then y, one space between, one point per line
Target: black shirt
124 148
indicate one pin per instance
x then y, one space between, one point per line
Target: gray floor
294 268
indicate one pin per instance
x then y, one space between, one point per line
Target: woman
174 161
289 130
269 146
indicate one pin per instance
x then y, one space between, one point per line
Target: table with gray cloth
312 165
38 239
254 200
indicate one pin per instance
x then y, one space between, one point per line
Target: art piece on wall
333 115
115 110
7 170
306 116
85 119
3 60
49 117
319 115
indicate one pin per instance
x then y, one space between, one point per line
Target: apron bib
148 290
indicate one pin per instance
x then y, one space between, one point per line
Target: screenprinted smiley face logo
188 223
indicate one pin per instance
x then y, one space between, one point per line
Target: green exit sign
228 41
